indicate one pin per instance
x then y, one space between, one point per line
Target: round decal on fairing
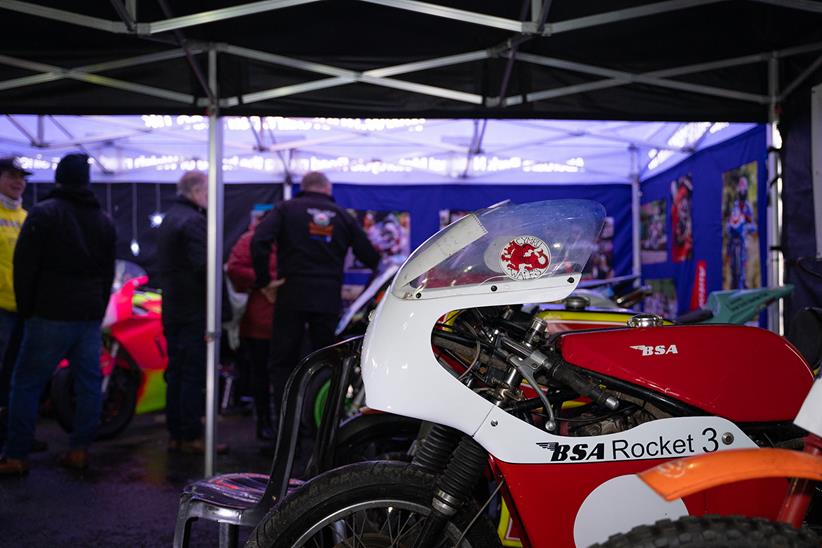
525 258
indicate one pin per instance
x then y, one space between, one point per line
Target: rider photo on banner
390 233
601 264
740 235
653 238
682 247
662 300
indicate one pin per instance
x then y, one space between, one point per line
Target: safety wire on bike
479 513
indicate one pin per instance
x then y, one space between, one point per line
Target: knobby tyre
714 532
368 505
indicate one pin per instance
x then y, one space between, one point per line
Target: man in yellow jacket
12 215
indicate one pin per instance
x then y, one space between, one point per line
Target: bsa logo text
656 350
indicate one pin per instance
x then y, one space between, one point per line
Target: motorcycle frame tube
801 490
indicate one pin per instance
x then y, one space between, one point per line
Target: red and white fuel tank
744 374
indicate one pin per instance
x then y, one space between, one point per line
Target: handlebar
566 373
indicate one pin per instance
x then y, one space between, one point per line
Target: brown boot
76 459
13 467
197 447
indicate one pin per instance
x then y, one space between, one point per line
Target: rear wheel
119 397
713 532
367 505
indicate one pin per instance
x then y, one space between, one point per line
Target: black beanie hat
73 170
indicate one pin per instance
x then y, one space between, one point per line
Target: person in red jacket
255 325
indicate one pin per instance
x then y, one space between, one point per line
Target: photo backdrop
702 227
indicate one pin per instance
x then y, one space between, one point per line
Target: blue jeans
45 343
185 380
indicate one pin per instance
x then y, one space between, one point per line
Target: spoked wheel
714 532
367 505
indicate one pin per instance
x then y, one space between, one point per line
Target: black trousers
185 380
256 353
286 342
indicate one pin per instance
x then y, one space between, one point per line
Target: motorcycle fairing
400 371
809 416
563 490
745 374
460 267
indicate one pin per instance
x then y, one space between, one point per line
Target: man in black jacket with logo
313 235
63 270
182 264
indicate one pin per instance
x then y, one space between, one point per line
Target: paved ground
128 498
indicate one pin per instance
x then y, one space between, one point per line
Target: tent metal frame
385 76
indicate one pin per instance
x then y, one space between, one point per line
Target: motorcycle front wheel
119 397
714 532
367 505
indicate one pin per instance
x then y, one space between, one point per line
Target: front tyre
367 505
713 532
119 395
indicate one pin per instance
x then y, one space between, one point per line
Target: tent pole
774 141
635 195
215 263
816 162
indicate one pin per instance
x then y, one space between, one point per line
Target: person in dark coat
312 234
181 266
63 270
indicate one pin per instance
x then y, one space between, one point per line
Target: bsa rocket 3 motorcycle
550 428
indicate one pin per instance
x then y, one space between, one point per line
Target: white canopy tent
158 148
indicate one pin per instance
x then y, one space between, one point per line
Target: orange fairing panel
682 477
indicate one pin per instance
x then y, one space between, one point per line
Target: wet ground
127 498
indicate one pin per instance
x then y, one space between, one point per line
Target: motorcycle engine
634 413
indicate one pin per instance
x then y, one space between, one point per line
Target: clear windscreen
506 243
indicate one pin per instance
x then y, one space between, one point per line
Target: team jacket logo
525 258
320 226
656 350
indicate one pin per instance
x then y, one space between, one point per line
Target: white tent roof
158 148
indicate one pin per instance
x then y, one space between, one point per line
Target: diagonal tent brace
340 76
50 73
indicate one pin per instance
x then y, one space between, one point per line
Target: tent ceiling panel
619 60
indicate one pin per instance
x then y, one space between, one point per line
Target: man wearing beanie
63 270
12 215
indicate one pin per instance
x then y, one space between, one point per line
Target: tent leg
816 162
215 264
636 193
774 221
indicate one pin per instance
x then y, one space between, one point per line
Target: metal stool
243 499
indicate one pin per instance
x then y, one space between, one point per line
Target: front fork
456 483
795 506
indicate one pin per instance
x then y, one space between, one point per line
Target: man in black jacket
313 235
181 264
63 270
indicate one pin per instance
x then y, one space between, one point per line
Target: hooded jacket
64 258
